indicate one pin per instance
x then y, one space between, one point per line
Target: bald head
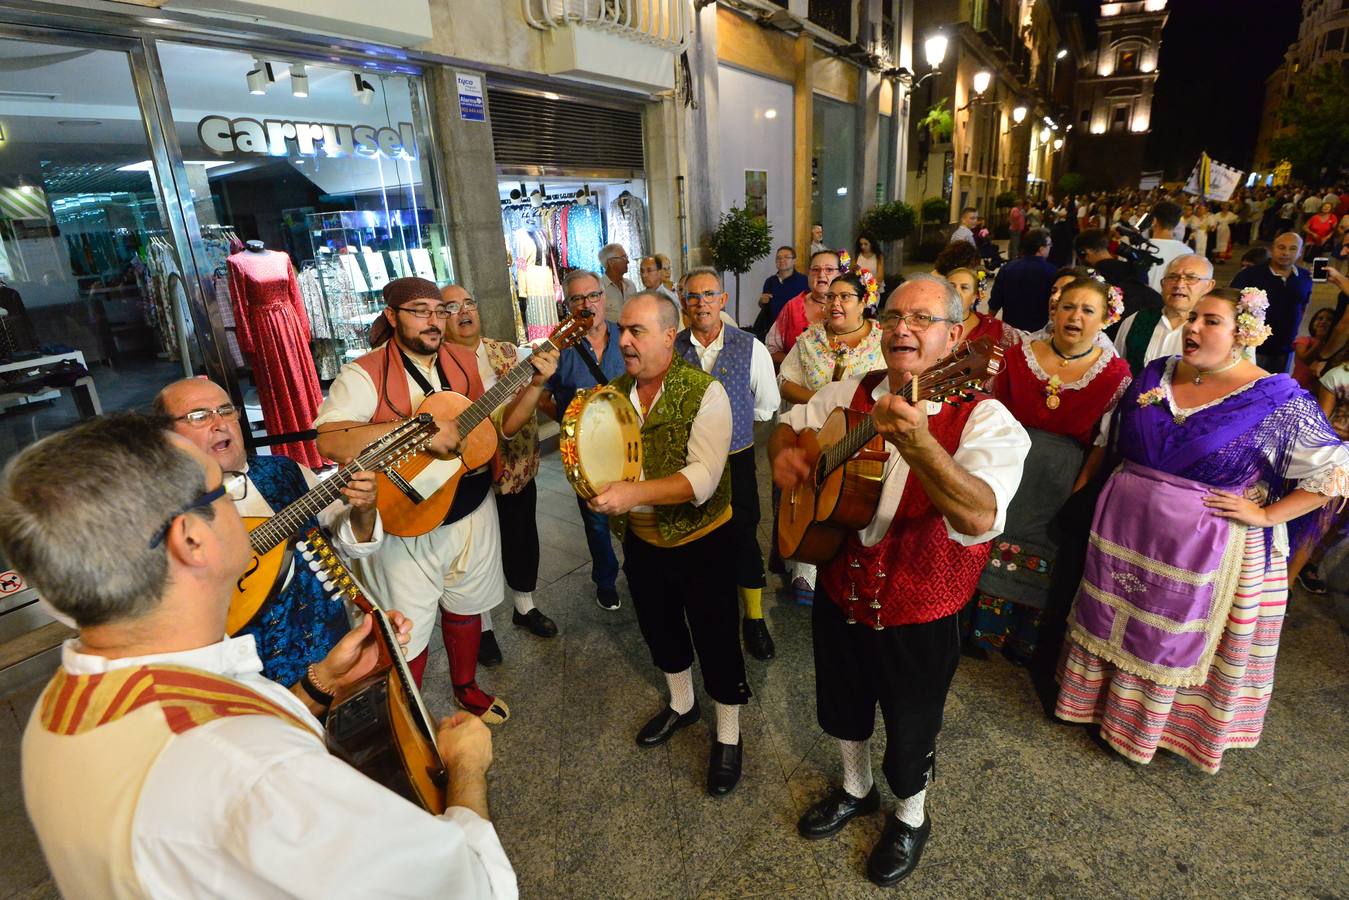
220 435
1284 252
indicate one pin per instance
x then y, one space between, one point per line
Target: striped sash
76 704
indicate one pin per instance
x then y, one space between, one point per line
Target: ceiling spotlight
1063 51
1058 143
259 77
770 113
981 81
1019 114
934 48
363 90
299 81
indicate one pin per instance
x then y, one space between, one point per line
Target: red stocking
418 665
462 636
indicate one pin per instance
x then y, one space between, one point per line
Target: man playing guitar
455 569
884 621
302 623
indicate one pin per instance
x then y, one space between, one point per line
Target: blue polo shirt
783 291
574 375
1288 299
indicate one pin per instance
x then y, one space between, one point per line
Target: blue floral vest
302 623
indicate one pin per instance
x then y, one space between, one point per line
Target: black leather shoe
827 818
896 853
723 769
758 641
536 622
489 651
664 724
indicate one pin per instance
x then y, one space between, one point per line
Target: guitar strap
588 357
416 375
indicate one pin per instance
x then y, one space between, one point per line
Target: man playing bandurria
884 620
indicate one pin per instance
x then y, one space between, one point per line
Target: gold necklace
1200 373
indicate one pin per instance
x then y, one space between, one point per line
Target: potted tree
889 223
740 239
935 212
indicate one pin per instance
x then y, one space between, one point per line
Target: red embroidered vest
916 573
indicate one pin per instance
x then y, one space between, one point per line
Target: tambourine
600 441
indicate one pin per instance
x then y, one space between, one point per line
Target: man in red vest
455 569
884 621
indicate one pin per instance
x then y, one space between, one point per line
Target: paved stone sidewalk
1022 807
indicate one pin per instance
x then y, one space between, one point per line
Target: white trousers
454 567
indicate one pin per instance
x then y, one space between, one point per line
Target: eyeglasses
836 298
421 312
695 298
917 321
455 307
227 412
1185 277
592 297
235 484
822 270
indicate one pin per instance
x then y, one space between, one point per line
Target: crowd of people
1009 522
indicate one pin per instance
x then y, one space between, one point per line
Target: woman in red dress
1058 385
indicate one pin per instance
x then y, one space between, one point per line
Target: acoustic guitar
270 537
380 725
844 489
414 496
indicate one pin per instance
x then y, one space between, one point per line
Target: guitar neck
505 388
859 436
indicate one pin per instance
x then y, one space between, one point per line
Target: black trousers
745 519
685 601
519 538
906 669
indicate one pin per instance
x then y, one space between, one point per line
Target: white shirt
762 383
1167 250
709 441
352 396
963 234
250 806
1165 341
993 448
615 295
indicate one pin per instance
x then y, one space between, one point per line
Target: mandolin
380 725
415 496
844 490
270 537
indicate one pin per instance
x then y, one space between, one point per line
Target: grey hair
954 311
78 510
609 250
704 270
1184 256
577 275
667 311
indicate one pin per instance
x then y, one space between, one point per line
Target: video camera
1140 253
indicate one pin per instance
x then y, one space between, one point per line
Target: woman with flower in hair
845 345
1175 626
1058 386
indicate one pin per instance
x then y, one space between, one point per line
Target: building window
1128 62
1119 119
1335 39
1085 117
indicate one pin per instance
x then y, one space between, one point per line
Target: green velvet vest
1140 335
665 442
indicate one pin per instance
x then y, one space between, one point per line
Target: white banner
1213 180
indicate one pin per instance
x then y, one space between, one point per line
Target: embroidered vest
1140 335
916 572
91 744
519 455
302 623
665 442
731 368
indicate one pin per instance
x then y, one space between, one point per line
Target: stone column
702 175
473 226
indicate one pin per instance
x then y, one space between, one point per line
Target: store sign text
275 138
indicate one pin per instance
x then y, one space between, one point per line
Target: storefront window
835 156
94 313
326 164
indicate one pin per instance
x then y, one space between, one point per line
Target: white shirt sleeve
1123 334
774 339
791 369
709 443
763 384
827 399
351 397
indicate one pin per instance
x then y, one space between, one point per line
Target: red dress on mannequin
273 329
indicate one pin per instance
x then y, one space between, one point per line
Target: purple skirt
1160 575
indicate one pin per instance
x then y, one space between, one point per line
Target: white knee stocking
728 724
524 601
681 690
486 621
910 809
857 780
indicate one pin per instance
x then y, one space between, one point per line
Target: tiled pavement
1022 807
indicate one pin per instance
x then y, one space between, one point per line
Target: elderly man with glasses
805 309
742 365
301 623
454 569
1158 331
885 619
596 359
618 287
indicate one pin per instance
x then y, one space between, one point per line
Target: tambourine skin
600 441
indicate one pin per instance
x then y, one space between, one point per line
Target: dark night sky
1215 57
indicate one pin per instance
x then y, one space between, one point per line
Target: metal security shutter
533 130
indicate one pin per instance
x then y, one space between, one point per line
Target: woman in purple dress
1176 623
